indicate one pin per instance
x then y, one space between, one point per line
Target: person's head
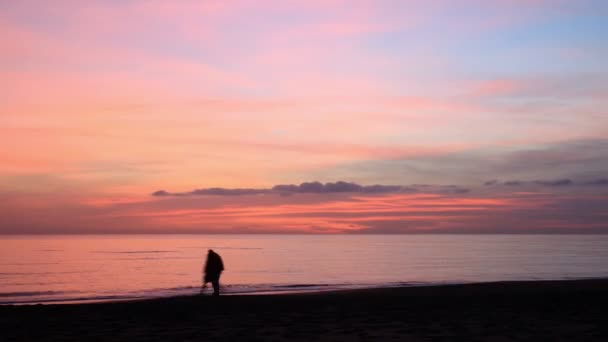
210 251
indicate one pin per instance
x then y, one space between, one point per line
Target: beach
569 310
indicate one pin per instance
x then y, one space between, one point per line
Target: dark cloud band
303 188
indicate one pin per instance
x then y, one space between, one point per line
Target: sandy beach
503 311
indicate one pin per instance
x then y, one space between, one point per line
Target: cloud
531 208
228 192
337 187
340 186
452 189
303 188
516 212
543 182
512 183
556 182
311 187
550 182
387 188
161 193
582 159
599 181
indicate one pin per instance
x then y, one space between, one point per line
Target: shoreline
265 289
569 310
285 290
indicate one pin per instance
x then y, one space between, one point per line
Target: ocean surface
81 268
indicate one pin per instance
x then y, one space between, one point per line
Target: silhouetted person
213 269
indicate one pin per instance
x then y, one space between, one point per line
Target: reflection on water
78 268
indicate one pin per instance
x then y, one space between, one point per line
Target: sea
91 268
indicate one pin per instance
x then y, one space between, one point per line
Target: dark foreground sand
510 311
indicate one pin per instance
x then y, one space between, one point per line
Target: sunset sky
304 116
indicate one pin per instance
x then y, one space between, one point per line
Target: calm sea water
40 269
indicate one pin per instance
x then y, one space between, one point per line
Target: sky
303 116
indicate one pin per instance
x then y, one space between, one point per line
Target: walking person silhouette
213 269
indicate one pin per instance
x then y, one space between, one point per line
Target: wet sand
505 311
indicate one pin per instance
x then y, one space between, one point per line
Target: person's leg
216 286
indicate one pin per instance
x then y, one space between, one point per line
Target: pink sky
104 103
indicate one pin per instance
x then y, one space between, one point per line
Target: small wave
132 252
33 293
33 284
156 258
70 300
242 248
177 288
187 290
41 273
295 286
223 247
30 263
